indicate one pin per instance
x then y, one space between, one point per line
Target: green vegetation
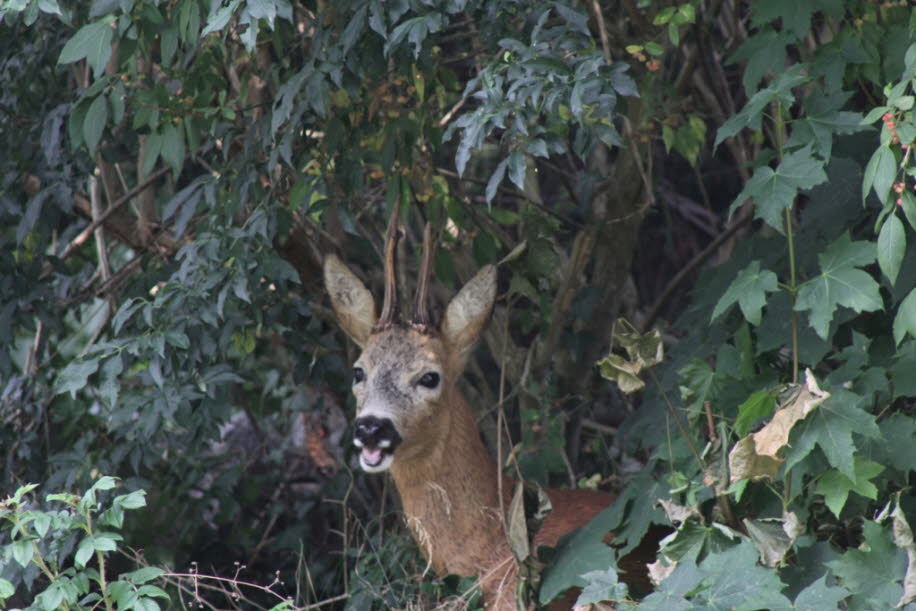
704 216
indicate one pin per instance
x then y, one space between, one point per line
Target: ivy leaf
92 42
836 486
905 321
775 191
819 595
873 572
840 283
749 290
891 247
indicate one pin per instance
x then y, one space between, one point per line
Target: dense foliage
703 214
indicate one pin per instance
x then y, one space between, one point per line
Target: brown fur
446 478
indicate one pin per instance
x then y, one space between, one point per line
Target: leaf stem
780 126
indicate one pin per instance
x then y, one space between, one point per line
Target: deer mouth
377 439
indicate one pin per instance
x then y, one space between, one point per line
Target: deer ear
468 313
352 301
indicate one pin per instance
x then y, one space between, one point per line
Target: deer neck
450 495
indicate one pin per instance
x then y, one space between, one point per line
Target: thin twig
88 231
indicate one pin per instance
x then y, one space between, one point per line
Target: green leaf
94 123
6 588
759 405
134 500
819 595
836 486
795 16
173 148
143 575
775 191
749 290
891 247
92 42
880 173
840 283
42 523
23 549
218 19
735 580
831 427
601 586
84 552
905 320
74 376
495 179
873 571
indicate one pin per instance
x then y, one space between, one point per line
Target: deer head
404 379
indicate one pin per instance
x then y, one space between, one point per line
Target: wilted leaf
678 514
645 349
517 524
773 537
745 463
769 440
617 369
903 538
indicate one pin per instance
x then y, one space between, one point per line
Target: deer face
402 378
399 382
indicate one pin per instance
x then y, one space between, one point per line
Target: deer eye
358 375
429 380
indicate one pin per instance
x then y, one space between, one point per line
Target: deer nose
375 432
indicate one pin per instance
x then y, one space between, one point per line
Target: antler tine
421 317
389 315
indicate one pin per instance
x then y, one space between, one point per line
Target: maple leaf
749 290
831 428
840 282
872 572
774 190
836 486
819 595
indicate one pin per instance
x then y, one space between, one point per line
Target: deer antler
421 318
389 315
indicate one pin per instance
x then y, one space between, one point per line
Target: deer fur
447 481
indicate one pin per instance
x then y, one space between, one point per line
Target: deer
413 422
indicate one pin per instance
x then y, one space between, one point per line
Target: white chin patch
375 461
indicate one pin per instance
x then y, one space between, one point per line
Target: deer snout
378 438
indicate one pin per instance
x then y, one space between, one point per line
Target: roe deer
413 421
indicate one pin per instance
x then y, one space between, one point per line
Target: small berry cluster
891 126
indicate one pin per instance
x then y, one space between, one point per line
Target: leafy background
734 175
